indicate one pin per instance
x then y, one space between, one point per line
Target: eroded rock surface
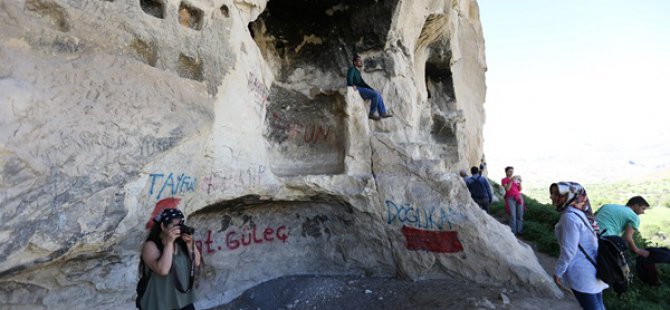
237 113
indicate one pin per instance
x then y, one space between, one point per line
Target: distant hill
598 161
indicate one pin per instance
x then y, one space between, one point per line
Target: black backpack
474 193
142 284
611 264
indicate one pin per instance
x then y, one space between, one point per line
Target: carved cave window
224 11
190 16
154 8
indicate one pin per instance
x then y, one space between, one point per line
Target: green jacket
354 78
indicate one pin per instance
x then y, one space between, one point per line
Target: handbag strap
191 275
585 223
588 257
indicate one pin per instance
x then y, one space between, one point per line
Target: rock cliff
237 112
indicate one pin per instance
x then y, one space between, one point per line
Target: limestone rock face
237 112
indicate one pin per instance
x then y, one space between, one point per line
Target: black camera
186 230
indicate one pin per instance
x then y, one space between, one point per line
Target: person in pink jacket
514 204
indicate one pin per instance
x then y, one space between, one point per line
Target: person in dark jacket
480 190
646 266
355 80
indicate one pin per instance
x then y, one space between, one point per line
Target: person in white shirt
573 270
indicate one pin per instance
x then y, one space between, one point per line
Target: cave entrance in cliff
440 83
442 98
433 57
309 45
262 233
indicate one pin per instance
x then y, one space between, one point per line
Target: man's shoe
386 115
373 117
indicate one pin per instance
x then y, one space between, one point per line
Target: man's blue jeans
515 215
376 101
590 301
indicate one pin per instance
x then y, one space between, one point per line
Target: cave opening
439 81
244 230
309 45
323 34
154 8
442 98
190 68
145 52
190 16
434 60
440 84
224 11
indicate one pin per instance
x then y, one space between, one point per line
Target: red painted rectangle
433 241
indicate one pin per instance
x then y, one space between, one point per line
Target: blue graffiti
424 218
183 183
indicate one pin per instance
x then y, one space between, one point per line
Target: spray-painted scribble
434 217
173 183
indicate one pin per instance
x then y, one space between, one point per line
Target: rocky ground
309 292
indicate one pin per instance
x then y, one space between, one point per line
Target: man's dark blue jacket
479 188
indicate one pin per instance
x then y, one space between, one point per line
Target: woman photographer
576 234
169 258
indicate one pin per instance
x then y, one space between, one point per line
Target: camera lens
186 230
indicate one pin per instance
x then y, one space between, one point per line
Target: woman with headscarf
169 258
576 228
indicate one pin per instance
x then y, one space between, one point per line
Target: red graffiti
432 241
246 237
208 242
166 203
260 92
308 133
233 242
317 132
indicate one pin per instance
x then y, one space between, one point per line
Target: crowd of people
577 232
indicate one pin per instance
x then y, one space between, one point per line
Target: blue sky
577 89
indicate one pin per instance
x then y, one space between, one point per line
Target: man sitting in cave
355 80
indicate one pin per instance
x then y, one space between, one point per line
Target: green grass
539 221
655 226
